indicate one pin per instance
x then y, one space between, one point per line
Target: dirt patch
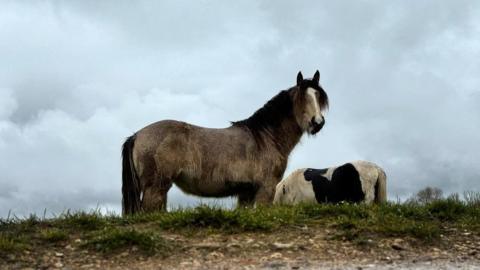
307 247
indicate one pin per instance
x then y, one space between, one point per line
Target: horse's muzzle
316 127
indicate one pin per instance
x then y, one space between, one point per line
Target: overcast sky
78 77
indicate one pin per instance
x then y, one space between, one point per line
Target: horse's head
310 101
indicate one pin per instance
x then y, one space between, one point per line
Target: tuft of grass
447 210
81 221
10 244
20 226
321 211
472 198
388 225
216 218
115 239
53 235
422 230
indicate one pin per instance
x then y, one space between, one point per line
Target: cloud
8 104
77 78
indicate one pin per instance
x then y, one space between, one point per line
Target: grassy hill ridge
22 242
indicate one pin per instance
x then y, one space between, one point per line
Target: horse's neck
285 136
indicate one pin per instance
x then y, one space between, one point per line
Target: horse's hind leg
155 196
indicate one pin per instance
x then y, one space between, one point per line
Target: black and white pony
358 181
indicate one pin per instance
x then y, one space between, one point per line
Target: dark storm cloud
78 77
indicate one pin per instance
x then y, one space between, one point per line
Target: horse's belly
198 187
218 179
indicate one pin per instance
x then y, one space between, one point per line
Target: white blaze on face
313 99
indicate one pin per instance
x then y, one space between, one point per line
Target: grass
230 221
110 233
81 221
118 238
10 244
53 235
472 198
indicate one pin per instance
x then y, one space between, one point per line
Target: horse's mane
269 117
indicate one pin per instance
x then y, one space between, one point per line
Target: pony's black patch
310 174
344 186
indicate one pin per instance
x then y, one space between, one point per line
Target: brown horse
247 159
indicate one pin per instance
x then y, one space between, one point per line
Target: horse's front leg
265 193
246 199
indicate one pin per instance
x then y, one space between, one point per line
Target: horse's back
156 133
178 134
170 139
162 129
368 171
363 165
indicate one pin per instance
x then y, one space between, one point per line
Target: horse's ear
299 78
316 77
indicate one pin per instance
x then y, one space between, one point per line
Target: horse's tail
381 187
130 182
